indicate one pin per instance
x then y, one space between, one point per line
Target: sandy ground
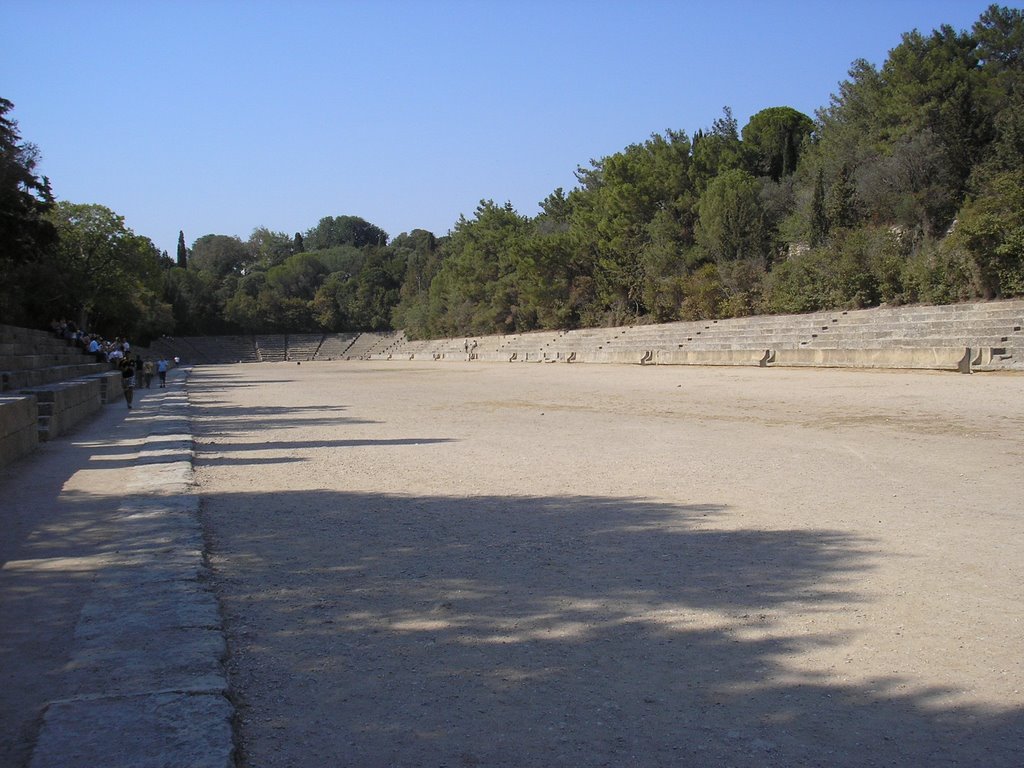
554 565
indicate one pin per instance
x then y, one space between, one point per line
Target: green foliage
102 273
298 277
182 260
939 272
474 291
705 294
341 258
332 231
26 233
731 219
195 306
716 151
991 228
218 255
819 218
773 140
634 208
25 198
861 199
418 250
267 248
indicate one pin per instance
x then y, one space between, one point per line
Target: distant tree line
907 187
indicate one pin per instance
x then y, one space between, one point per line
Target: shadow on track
537 631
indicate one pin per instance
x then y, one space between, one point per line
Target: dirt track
553 565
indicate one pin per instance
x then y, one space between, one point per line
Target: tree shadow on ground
538 631
221 421
224 420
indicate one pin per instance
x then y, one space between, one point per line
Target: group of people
104 350
135 371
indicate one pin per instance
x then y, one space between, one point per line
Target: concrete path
111 643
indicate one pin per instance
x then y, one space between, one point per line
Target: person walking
148 369
127 366
161 371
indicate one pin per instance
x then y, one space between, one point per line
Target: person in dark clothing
127 366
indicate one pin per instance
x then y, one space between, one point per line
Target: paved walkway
110 641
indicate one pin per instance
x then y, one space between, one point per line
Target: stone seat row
886 337
265 347
49 386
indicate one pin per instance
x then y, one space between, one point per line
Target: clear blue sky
219 117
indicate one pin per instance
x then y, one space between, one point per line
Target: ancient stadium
787 541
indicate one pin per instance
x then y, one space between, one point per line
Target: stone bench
40 360
759 357
11 381
928 358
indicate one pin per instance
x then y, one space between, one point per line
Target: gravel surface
468 564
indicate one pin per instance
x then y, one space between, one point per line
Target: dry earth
552 565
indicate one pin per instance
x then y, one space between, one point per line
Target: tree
418 250
218 255
107 274
773 139
26 234
842 205
377 292
194 304
474 291
731 225
24 197
819 219
267 248
332 302
733 233
717 151
632 221
991 228
344 230
182 250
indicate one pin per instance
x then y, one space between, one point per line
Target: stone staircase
303 346
272 348
335 346
369 345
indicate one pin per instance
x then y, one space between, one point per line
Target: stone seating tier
12 381
915 336
50 385
367 344
334 346
303 346
271 349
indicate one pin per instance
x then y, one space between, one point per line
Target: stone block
19 434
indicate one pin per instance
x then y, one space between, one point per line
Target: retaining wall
19 431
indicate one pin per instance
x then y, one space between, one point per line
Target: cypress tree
182 251
819 221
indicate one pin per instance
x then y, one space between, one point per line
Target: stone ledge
153 730
927 358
